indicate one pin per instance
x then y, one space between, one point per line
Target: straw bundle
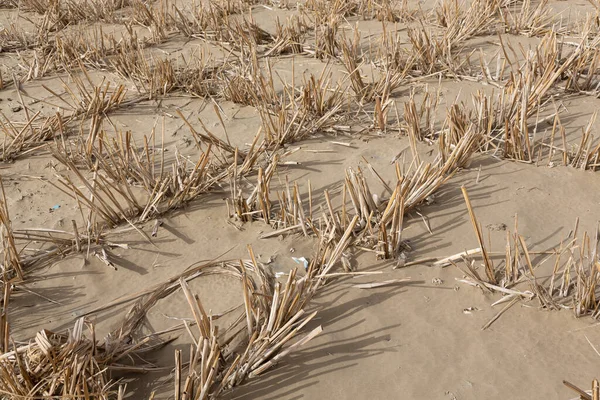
70 365
271 316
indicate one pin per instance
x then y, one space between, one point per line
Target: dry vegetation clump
289 37
527 18
117 166
273 314
375 222
23 138
573 282
72 364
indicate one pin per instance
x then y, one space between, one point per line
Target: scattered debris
301 260
496 227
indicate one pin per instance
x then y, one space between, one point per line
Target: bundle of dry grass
528 19
380 88
257 205
12 267
132 183
289 38
13 39
299 112
112 199
89 99
71 364
207 20
21 139
461 24
418 119
573 283
374 222
506 117
430 54
64 13
24 250
93 48
270 325
271 316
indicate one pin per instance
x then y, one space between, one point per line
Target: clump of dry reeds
12 267
289 38
13 39
507 117
257 204
71 364
381 88
461 24
418 119
269 326
375 222
271 316
573 283
70 12
111 198
528 19
24 138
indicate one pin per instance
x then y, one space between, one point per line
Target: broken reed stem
489 268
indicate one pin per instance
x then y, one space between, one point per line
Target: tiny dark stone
16 109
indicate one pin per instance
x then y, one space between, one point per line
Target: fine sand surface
417 339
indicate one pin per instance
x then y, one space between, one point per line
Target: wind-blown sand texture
259 199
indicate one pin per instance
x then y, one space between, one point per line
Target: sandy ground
418 340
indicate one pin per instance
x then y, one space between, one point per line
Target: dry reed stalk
4 323
583 395
489 266
586 157
12 266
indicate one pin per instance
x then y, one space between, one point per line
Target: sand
415 340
